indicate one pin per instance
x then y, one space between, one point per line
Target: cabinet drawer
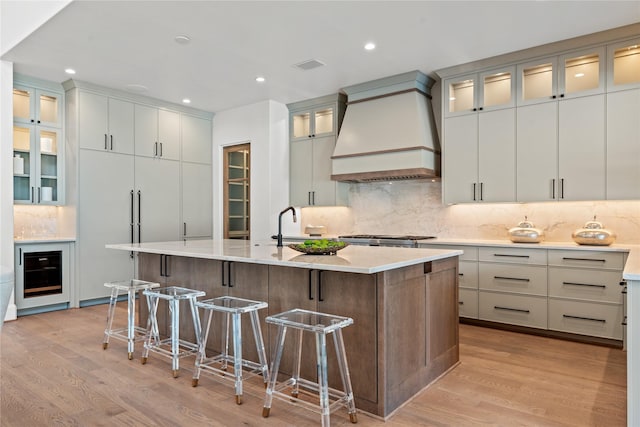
468 274
586 318
514 255
470 252
523 310
468 303
592 285
587 259
522 279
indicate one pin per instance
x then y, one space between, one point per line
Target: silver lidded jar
593 233
526 232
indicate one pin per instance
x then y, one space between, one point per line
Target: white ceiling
119 43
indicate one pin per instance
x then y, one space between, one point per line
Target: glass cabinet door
537 81
323 121
48 165
498 89
36 106
301 125
236 192
581 73
624 65
22 163
461 95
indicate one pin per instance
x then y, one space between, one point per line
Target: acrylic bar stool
172 347
131 333
232 308
321 325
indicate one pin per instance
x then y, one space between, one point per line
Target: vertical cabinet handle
553 188
474 191
224 276
562 188
131 225
481 188
161 262
184 225
155 149
320 286
229 274
32 194
309 197
20 256
105 141
111 137
161 149
39 198
310 285
139 216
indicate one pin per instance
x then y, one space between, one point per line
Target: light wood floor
54 371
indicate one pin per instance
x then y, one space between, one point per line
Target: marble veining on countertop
352 259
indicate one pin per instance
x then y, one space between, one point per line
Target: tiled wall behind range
415 207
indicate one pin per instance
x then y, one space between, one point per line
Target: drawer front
523 310
513 255
470 252
468 274
587 259
586 318
522 279
594 285
468 303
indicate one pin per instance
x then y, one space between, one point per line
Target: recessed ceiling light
260 79
70 71
186 101
182 39
370 46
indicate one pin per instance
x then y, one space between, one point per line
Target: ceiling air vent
309 64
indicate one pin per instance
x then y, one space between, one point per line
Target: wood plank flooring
53 371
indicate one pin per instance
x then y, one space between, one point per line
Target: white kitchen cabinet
105 215
479 160
574 74
157 132
39 152
157 184
314 126
36 106
561 150
197 201
623 70
623 147
486 91
105 123
582 148
196 139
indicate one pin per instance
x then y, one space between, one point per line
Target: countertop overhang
352 259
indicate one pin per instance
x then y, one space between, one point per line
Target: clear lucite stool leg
202 343
323 385
110 315
174 314
262 354
237 355
297 360
152 328
275 366
131 328
344 373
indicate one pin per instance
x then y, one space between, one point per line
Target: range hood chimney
388 132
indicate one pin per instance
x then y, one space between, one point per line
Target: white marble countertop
352 259
51 239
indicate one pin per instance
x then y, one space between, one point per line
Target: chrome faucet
290 208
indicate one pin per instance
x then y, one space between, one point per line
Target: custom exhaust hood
388 132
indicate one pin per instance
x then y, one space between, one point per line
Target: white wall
6 172
265 126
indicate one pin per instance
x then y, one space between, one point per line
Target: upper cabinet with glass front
38 143
578 73
490 90
36 106
312 123
623 71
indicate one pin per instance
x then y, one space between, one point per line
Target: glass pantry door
22 163
49 162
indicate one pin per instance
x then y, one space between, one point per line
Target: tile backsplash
415 207
35 221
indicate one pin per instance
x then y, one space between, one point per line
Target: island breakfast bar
404 303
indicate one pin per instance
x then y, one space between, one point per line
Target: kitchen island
404 303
